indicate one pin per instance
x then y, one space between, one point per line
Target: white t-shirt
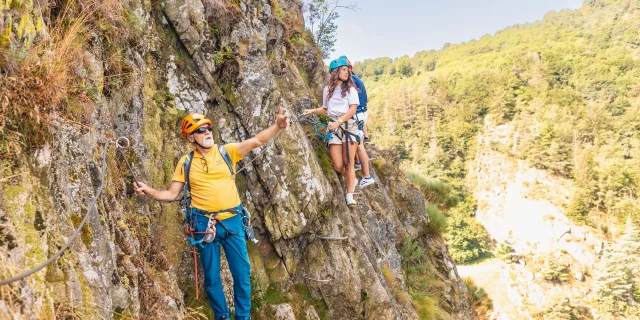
337 105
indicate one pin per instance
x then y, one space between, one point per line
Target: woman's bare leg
335 152
350 171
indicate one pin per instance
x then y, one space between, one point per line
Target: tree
390 69
321 20
612 284
370 70
553 271
404 67
616 282
559 308
468 240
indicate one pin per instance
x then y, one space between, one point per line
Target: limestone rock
311 314
283 312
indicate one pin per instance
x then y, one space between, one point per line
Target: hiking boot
366 140
350 201
357 166
366 181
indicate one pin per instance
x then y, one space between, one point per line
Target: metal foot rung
316 280
332 238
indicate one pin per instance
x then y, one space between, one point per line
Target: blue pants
235 249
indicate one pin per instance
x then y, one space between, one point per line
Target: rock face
525 206
237 61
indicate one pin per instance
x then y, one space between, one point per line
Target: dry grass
11 295
394 285
195 313
225 12
31 88
44 85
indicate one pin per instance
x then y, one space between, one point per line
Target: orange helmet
192 122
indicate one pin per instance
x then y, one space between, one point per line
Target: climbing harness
92 208
359 122
194 214
349 137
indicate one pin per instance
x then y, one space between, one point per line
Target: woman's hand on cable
140 188
282 120
333 125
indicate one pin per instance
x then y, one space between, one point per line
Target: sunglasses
202 130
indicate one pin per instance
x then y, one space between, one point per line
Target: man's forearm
160 194
267 134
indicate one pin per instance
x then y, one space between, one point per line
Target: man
214 200
362 158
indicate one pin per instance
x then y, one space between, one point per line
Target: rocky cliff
525 207
135 68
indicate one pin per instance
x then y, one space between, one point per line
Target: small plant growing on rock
506 252
479 298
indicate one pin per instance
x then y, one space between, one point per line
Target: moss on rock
323 159
87 233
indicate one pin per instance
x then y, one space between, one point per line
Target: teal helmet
347 60
337 63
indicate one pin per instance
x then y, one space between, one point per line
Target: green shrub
437 221
434 191
468 239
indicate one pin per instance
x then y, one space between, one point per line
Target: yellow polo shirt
215 189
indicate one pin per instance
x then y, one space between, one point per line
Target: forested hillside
92 94
568 85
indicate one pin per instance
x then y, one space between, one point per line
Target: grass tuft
437 220
435 191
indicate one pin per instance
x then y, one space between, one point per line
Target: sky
394 28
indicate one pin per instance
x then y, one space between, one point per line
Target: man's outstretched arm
282 122
166 195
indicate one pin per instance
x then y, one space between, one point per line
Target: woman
339 101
